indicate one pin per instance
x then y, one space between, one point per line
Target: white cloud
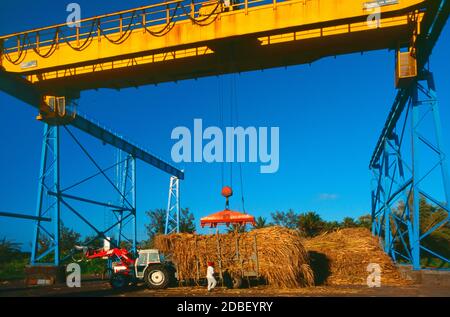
328 196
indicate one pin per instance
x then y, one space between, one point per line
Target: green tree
438 241
310 224
433 217
94 244
9 249
236 228
261 222
365 221
331 226
68 240
286 219
349 222
156 224
124 244
187 221
12 260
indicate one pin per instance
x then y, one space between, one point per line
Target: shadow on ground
320 264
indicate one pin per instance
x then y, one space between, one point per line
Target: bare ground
98 288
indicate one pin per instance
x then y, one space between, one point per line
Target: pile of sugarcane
275 254
342 258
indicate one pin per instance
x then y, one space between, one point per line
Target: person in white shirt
210 277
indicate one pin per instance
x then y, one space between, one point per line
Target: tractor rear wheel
157 277
237 281
119 281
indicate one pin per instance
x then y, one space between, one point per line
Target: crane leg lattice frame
52 198
401 176
173 207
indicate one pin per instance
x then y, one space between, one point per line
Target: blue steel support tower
409 164
402 178
48 206
173 207
52 198
126 180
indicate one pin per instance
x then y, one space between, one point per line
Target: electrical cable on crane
234 121
25 42
199 22
125 34
52 48
168 26
22 52
86 43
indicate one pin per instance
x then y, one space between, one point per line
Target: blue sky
330 116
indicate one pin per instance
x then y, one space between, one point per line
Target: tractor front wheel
157 277
119 281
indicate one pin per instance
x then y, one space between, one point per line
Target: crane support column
45 248
411 200
126 180
173 207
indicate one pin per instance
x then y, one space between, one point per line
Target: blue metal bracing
45 249
401 174
126 182
23 216
431 27
52 198
173 207
19 88
23 90
399 180
109 137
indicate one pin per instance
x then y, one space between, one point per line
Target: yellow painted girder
273 23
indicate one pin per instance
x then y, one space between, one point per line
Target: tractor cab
152 267
150 256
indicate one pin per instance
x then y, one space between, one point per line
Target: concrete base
44 275
425 277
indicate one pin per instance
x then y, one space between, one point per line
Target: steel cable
168 27
200 22
22 54
124 36
52 49
86 43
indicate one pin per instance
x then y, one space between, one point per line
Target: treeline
310 224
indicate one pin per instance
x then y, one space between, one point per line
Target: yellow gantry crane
185 39
178 40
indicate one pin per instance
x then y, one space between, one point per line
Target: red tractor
124 269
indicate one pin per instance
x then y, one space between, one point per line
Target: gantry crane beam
178 40
18 87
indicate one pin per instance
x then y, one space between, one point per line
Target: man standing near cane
210 277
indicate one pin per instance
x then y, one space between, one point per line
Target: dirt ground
98 288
